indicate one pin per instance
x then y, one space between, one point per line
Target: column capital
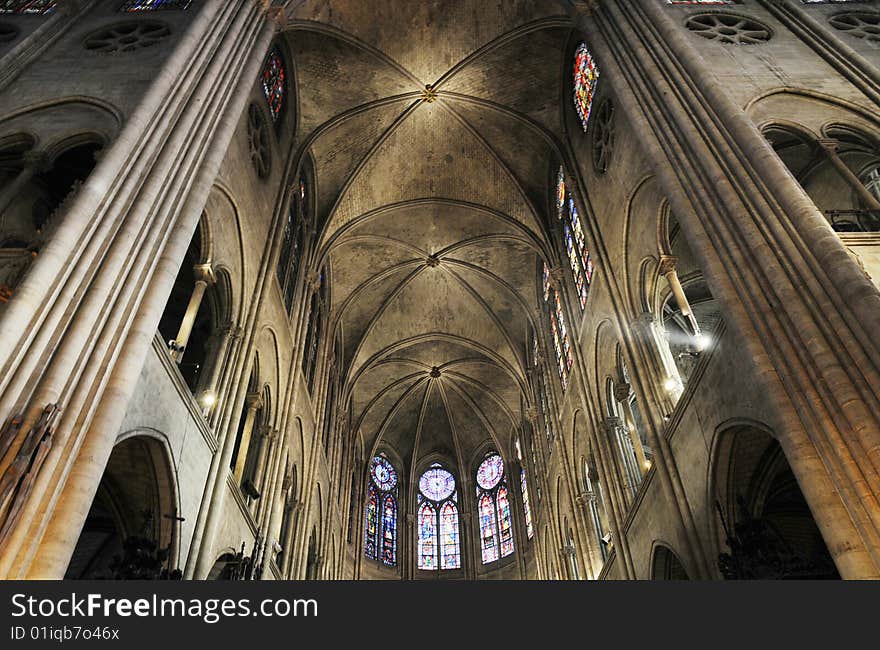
613 424
667 264
204 273
622 391
830 145
254 401
531 414
643 321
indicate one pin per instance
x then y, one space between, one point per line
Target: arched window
543 399
493 505
313 333
292 242
380 537
274 81
527 508
586 75
438 532
558 329
574 239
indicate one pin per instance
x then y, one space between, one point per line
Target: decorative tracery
439 545
380 536
493 504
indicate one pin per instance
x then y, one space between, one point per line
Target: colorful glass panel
383 474
274 83
561 191
389 531
427 537
527 510
371 524
488 544
490 472
545 279
33 7
573 260
505 530
449 543
586 76
151 5
437 484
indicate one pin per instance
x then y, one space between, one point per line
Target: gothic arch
665 563
137 499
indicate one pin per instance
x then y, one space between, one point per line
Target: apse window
493 506
437 520
380 541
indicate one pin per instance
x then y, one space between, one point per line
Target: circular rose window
437 484
490 472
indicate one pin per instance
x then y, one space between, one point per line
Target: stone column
799 305
829 147
204 278
667 270
253 403
108 270
622 393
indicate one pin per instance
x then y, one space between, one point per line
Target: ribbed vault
434 202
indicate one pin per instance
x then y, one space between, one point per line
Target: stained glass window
292 242
151 5
488 533
372 523
493 507
527 509
34 7
575 241
451 554
383 474
586 75
559 333
380 531
427 537
439 546
274 83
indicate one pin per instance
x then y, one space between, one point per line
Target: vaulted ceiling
433 127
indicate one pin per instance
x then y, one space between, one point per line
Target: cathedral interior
440 290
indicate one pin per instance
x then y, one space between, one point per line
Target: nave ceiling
433 151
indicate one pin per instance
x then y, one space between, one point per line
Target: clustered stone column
801 307
80 326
